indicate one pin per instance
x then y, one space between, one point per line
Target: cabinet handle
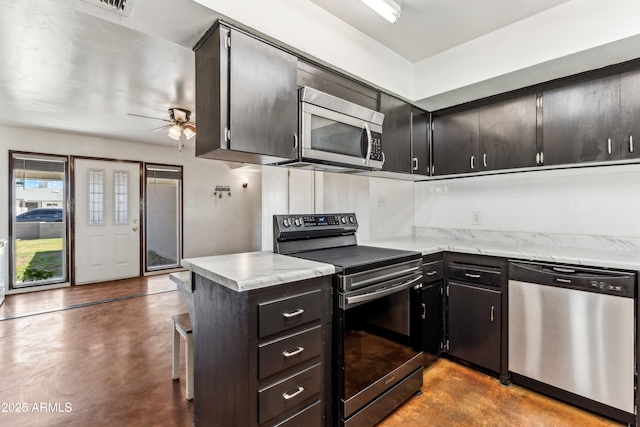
472 276
561 280
424 311
492 310
484 159
288 395
473 162
631 143
384 159
432 273
291 353
295 141
433 170
537 158
609 145
415 163
542 157
295 313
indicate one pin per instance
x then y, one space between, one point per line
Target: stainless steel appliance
338 133
572 335
377 366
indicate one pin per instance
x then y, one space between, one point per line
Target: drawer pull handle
472 276
492 310
561 280
288 395
295 313
291 353
424 311
432 273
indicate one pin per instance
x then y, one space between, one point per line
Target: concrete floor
109 364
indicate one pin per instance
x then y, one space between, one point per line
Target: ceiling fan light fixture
174 132
189 131
388 9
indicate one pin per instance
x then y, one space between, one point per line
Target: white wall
602 201
211 225
384 207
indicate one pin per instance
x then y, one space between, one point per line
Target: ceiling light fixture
388 9
174 132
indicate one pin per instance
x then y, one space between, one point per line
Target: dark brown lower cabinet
262 357
474 319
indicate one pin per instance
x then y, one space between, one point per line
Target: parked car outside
41 215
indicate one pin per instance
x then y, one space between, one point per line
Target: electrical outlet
476 218
382 202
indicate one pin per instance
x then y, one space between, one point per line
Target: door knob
135 228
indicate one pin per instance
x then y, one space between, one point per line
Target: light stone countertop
624 258
255 270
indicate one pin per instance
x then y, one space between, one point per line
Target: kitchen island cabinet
262 357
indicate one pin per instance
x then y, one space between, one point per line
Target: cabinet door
581 122
396 134
263 98
474 325
455 143
421 161
432 320
630 115
508 134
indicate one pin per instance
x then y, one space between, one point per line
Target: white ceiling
428 27
70 66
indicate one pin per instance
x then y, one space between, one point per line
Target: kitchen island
262 340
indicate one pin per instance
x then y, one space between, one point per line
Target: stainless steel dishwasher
571 331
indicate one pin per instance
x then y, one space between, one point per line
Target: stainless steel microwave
339 133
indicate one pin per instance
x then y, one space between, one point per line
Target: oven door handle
358 299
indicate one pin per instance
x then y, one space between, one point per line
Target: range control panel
288 228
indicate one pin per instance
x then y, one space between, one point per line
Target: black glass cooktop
354 259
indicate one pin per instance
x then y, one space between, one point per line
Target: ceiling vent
122 7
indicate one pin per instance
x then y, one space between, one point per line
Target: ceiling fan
180 126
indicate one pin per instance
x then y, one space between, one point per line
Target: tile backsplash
599 201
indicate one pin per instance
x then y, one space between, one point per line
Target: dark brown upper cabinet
247 98
630 115
404 137
327 81
507 134
455 143
581 122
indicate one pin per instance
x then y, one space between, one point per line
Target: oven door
333 137
374 345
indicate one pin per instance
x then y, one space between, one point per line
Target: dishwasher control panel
611 282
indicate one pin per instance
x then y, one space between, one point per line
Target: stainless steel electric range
376 364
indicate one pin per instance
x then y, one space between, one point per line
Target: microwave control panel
376 146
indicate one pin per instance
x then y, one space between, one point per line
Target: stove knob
352 219
286 222
343 219
297 222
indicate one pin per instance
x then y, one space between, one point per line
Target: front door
107 220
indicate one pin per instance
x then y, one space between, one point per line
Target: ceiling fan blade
147 117
161 128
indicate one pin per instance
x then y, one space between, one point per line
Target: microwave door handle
369 143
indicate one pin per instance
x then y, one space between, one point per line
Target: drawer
311 416
280 315
288 393
283 353
433 271
469 273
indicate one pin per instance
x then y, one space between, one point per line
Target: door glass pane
163 217
39 246
335 137
96 197
121 195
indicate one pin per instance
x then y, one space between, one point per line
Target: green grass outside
39 255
